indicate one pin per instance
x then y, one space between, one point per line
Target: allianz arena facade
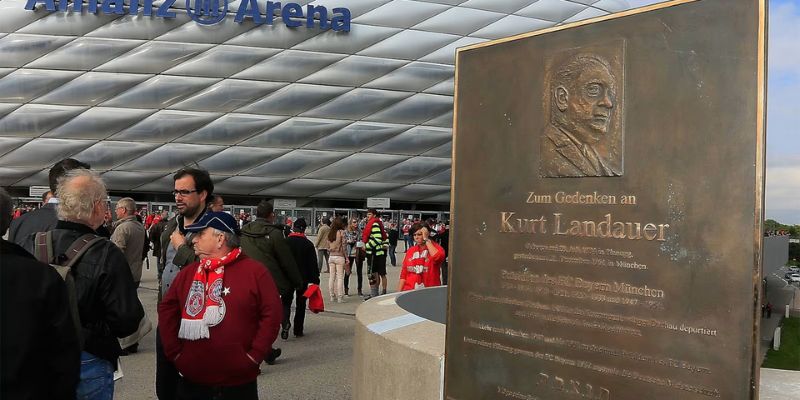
345 103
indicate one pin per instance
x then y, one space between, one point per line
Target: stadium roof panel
270 110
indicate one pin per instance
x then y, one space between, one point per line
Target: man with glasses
193 189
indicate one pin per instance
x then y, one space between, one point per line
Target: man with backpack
264 241
107 303
38 340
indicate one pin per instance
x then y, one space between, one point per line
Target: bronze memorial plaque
607 208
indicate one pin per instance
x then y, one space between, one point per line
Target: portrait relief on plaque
584 111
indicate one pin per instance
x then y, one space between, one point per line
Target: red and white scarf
204 305
297 234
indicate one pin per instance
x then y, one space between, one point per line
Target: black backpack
44 253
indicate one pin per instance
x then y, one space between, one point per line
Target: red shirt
417 259
252 318
149 220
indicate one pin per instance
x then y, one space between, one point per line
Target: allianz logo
209 12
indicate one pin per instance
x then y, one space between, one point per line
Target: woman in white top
337 260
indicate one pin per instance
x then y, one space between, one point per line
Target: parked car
794 278
794 269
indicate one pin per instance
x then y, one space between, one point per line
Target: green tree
771 225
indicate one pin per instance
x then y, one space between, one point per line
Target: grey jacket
129 236
170 261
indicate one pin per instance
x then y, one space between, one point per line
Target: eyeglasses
183 192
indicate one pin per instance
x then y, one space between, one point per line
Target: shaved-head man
217 204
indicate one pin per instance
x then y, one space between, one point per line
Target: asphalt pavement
317 366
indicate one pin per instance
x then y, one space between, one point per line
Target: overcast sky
783 110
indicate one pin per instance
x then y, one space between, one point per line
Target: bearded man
193 187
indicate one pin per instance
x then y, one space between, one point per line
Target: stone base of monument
399 354
399 350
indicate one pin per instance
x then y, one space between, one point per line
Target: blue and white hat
220 221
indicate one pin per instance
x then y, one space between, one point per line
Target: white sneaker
340 300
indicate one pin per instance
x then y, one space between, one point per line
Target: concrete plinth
397 354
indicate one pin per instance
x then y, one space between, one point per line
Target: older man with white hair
108 305
220 316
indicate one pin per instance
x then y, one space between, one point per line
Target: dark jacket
394 234
41 353
40 220
305 255
185 255
168 269
155 236
103 231
107 301
444 241
265 243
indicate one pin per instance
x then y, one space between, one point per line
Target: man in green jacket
264 241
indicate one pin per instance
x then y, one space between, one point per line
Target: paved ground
316 366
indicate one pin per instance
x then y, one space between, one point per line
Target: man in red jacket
220 316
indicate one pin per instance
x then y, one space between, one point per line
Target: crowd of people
345 246
227 284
